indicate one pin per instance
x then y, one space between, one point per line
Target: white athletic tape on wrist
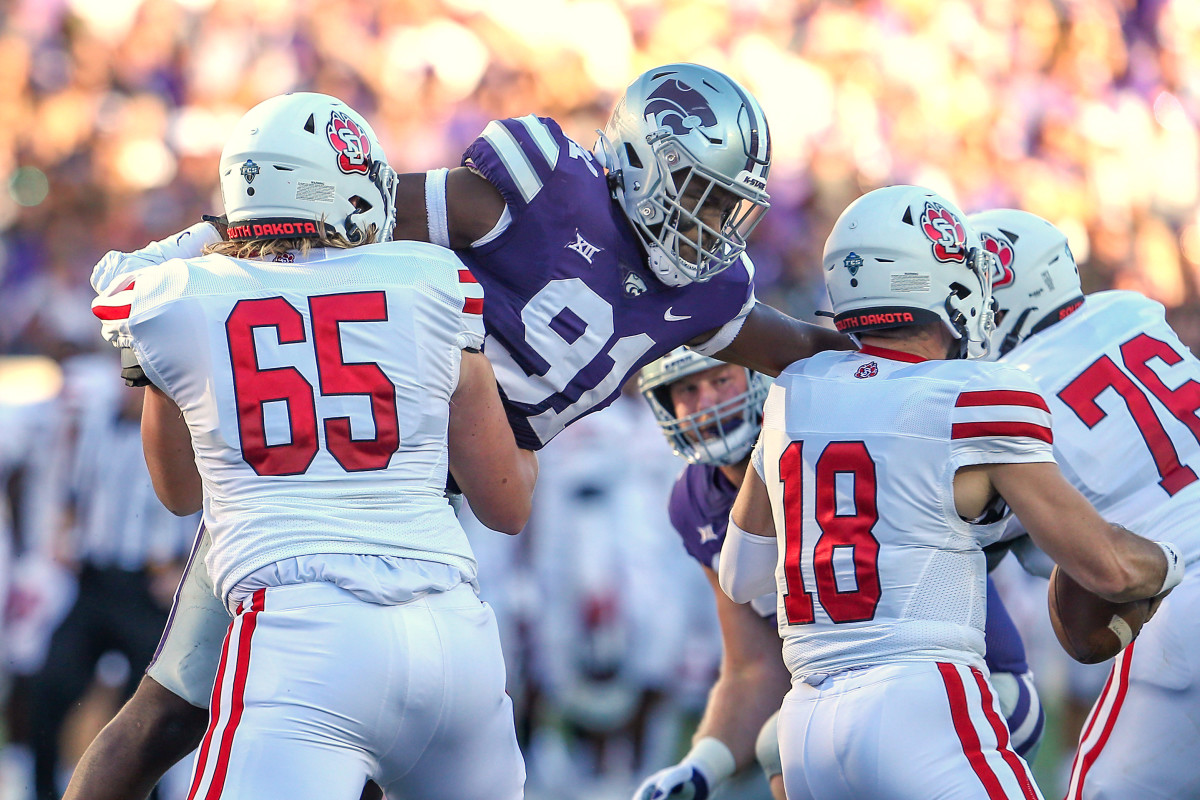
713 759
746 569
1174 568
436 216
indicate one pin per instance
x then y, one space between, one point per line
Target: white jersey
317 393
858 452
1124 392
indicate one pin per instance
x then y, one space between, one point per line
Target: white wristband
713 759
1174 568
436 216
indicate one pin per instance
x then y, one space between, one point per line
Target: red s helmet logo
1002 271
946 231
352 145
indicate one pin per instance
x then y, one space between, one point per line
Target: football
1090 628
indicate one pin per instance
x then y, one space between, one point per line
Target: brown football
1090 628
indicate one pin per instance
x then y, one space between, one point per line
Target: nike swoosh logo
669 317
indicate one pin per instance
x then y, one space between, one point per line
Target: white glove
709 763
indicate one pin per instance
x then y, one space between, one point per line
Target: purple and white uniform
572 309
699 510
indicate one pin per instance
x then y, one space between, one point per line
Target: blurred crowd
114 113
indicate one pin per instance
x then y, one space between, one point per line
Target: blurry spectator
128 551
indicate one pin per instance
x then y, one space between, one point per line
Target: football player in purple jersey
711 414
593 264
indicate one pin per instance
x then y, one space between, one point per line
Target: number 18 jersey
1125 392
316 391
858 453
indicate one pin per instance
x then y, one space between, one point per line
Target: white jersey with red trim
1125 392
858 453
317 393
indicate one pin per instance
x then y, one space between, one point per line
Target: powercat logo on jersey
352 145
675 105
1002 271
946 231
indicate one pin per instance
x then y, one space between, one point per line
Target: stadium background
113 114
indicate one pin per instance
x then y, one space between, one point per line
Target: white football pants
917 730
317 691
1142 738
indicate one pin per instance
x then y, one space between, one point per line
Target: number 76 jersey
858 453
1125 394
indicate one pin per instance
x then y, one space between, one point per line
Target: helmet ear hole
632 156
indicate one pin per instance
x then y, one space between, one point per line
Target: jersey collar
894 355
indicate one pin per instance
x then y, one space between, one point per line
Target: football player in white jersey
885 472
1124 391
311 388
594 264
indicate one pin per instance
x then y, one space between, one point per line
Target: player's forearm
167 445
188 243
741 700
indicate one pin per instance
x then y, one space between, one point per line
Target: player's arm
496 476
752 681
167 445
748 556
749 689
1106 559
460 204
770 340
188 243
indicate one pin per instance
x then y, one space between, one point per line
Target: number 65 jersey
316 391
1125 394
858 453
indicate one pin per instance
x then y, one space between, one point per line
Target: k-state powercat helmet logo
352 145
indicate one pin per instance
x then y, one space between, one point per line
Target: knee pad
766 747
1022 709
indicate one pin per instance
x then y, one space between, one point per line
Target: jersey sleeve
113 309
472 334
115 265
1000 417
518 157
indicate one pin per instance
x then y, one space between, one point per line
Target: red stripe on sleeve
1000 728
1002 397
967 734
111 312
473 305
977 430
465 276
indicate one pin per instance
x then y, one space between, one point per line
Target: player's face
703 392
711 204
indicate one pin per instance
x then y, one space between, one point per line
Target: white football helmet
905 255
299 160
720 435
686 142
1036 280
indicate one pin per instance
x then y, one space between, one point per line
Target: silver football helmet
1036 279
719 435
905 255
687 152
299 161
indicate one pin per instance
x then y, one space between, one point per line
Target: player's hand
680 782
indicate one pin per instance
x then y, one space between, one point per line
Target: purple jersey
699 510
572 310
